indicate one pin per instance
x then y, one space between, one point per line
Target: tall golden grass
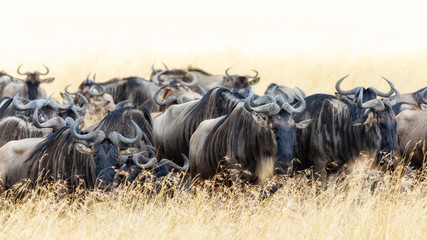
364 205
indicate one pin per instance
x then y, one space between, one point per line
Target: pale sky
71 32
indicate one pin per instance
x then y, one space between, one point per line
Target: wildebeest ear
423 106
304 123
227 79
254 81
362 119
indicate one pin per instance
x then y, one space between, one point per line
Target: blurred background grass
306 43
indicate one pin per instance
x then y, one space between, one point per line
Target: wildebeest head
237 82
130 171
33 81
284 126
379 118
47 107
106 151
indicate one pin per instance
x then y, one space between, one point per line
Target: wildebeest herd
187 120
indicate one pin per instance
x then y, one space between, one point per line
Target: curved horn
171 164
269 108
290 109
389 93
376 104
226 73
272 89
255 79
393 89
117 138
256 74
56 123
342 92
58 106
289 97
95 136
157 77
202 90
193 82
85 104
19 72
101 90
148 163
38 103
66 90
121 104
159 101
47 71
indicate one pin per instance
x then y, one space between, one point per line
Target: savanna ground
364 205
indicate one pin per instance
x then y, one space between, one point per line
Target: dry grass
350 209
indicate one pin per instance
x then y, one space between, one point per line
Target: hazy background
309 44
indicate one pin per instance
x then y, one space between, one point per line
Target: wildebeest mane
250 142
55 158
7 101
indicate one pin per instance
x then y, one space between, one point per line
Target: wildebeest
243 139
173 129
65 155
412 137
342 129
412 101
28 88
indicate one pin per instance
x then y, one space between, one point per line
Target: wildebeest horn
389 93
121 104
376 104
117 138
290 109
159 101
272 89
202 90
255 78
268 108
226 73
342 92
95 136
58 106
154 70
193 82
148 163
171 164
66 90
19 72
393 89
85 104
38 103
289 97
47 71
56 123
157 77
101 90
